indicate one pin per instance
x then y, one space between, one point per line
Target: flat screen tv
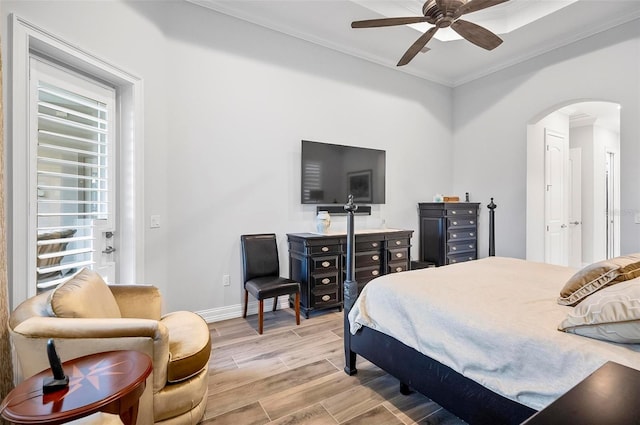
330 173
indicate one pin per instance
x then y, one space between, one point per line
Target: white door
556 190
72 169
575 207
610 196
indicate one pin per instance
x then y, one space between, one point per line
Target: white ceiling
528 28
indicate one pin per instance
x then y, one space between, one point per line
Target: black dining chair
261 274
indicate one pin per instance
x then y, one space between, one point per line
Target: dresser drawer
330 247
458 211
322 280
367 246
367 259
461 222
324 263
455 235
326 297
461 258
367 273
398 267
398 254
461 247
396 243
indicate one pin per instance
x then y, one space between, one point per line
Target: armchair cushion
189 345
85 295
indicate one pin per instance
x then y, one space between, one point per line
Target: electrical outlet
225 280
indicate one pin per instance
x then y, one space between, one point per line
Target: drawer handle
326 297
326 264
453 248
471 222
471 234
455 223
398 269
453 261
326 280
454 235
374 244
398 242
375 272
453 212
470 212
399 255
375 257
470 245
325 248
470 258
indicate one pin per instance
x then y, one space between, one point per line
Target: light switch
154 222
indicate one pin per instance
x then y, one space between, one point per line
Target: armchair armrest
78 337
139 301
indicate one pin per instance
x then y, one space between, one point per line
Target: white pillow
611 314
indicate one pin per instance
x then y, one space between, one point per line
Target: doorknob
109 250
562 226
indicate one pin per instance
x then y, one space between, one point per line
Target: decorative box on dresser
448 232
318 262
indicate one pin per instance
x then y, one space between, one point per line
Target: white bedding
494 321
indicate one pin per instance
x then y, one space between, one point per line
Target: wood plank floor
294 375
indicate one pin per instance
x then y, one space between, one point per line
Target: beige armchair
85 315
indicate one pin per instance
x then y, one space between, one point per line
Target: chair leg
275 303
260 316
297 308
246 302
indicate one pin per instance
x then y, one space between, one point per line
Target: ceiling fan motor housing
435 15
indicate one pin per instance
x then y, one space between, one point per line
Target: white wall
226 105
492 113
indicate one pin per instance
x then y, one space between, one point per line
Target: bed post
350 289
492 230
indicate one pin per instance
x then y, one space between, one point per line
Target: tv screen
331 172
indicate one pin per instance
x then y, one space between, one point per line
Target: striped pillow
599 275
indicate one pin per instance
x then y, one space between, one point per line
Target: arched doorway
573 183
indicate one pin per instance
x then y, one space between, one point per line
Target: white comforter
494 321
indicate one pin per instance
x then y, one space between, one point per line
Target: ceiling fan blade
388 22
476 34
417 46
475 5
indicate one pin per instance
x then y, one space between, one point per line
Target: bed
479 338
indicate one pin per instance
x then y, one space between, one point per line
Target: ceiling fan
442 14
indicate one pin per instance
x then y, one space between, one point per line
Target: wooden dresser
318 263
448 232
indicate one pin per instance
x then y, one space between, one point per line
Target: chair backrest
259 256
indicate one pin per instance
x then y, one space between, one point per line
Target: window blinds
72 180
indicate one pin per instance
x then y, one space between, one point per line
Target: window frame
25 39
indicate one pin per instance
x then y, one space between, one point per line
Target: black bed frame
461 396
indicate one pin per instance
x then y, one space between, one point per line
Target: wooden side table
608 396
110 382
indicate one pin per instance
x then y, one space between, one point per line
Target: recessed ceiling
500 19
528 28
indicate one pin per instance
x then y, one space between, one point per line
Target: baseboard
235 311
